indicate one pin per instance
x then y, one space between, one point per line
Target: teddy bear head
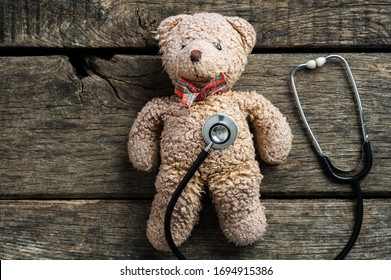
200 46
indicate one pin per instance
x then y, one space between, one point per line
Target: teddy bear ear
246 31
166 26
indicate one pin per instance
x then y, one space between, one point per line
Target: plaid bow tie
191 93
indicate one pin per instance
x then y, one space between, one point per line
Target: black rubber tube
341 176
358 221
171 205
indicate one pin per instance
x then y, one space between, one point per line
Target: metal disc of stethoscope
221 130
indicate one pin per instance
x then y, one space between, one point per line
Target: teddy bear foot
157 241
184 216
247 230
157 237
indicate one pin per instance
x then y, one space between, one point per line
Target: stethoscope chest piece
221 130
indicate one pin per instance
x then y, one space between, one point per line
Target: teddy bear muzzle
195 55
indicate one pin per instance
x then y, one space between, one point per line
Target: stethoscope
331 170
220 131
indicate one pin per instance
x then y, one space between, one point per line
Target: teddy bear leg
236 195
186 211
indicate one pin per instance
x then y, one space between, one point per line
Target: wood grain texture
65 137
67 189
61 136
127 24
112 229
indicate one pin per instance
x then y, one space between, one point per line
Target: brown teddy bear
204 55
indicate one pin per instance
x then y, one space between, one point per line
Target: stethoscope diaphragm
221 130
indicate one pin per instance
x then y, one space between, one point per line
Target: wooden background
74 74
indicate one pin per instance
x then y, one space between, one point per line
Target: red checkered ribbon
191 93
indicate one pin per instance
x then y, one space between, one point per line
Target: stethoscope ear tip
313 63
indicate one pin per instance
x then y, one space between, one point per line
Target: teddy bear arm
272 131
143 143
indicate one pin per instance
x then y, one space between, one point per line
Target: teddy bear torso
181 140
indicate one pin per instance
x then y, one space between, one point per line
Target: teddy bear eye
218 46
182 47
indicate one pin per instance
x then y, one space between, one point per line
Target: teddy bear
204 55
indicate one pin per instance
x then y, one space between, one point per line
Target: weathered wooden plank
127 24
269 76
96 229
56 138
62 137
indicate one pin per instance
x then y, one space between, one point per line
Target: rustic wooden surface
67 189
115 229
124 24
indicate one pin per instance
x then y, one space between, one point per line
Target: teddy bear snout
195 55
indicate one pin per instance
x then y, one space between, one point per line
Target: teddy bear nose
195 55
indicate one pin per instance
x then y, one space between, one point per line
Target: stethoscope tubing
341 176
335 174
358 220
174 199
